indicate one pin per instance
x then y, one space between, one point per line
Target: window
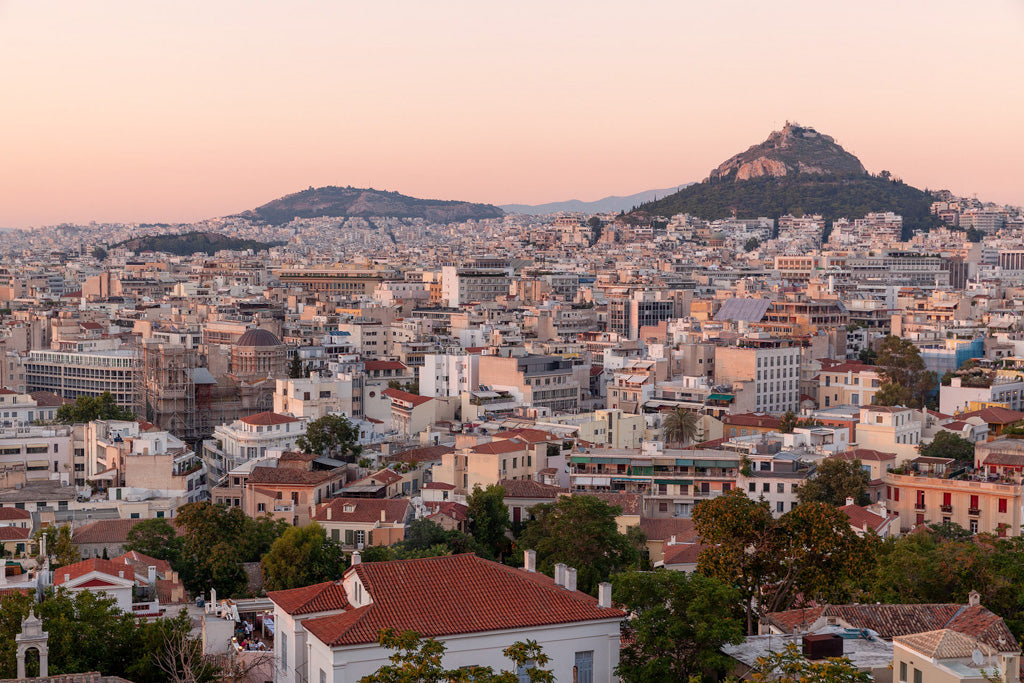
323 676
766 487
780 488
584 667
974 526
917 676
261 507
753 487
1002 505
282 640
780 506
903 672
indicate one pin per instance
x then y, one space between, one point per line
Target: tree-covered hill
190 243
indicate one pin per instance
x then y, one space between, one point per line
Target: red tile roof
399 395
528 435
320 597
682 553
629 502
7 514
141 563
104 531
363 510
73 571
424 454
850 366
861 517
438 486
384 365
456 511
752 420
441 596
13 533
663 529
268 417
527 488
499 447
290 476
995 416
865 454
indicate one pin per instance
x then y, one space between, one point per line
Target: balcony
946 508
974 511
919 507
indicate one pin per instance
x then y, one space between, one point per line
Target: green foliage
948 445
489 521
87 632
302 556
89 408
196 242
354 201
216 541
295 367
868 356
156 538
810 553
420 661
99 253
582 532
790 666
331 435
832 196
751 244
836 480
681 426
906 382
679 623
59 547
423 538
974 235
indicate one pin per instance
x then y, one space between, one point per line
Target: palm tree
680 426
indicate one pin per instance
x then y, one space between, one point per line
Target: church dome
258 337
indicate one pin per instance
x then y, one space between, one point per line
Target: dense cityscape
764 425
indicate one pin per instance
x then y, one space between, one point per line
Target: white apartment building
770 366
313 397
248 438
84 368
42 452
957 397
890 429
466 285
20 409
444 375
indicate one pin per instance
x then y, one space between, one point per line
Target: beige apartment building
538 381
979 506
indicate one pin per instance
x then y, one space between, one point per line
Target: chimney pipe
329 509
530 560
604 595
151 578
570 579
383 515
560 574
356 557
849 500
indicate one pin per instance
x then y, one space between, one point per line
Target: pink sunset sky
172 111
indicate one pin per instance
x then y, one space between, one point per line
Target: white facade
241 441
777 383
957 398
18 410
444 375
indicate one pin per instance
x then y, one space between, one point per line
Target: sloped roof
664 528
498 447
293 476
104 531
441 596
109 567
423 454
682 553
8 514
745 310
268 417
528 488
942 644
629 502
363 510
399 395
320 597
13 533
528 435
995 415
865 455
752 420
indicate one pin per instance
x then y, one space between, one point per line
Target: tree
868 356
787 423
332 435
678 625
489 520
59 546
89 408
906 382
789 666
155 538
735 532
680 426
302 556
99 253
834 481
420 661
948 445
973 234
295 368
751 244
582 532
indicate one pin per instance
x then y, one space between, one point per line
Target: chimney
883 510
672 541
560 574
356 557
530 560
67 577
570 579
3 573
849 500
151 577
383 515
604 595
329 512
974 598
213 596
120 574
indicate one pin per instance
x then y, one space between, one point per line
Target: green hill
366 203
190 243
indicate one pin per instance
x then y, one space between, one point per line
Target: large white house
477 608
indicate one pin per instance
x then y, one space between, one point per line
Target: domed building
258 353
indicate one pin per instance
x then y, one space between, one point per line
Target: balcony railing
974 511
946 508
920 507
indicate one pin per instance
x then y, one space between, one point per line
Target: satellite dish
977 658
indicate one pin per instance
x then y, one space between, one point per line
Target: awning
720 397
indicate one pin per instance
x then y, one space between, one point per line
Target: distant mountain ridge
611 204
335 201
795 171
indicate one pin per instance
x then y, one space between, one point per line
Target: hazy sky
178 110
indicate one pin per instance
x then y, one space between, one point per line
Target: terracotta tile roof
141 563
19 590
438 486
792 620
104 531
399 395
942 644
752 420
456 511
629 502
73 571
289 476
8 514
850 366
865 455
978 622
499 447
384 476
384 365
423 454
440 596
663 529
528 488
13 533
320 597
528 435
48 399
861 516
296 457
363 510
268 417
995 416
682 553
1004 458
